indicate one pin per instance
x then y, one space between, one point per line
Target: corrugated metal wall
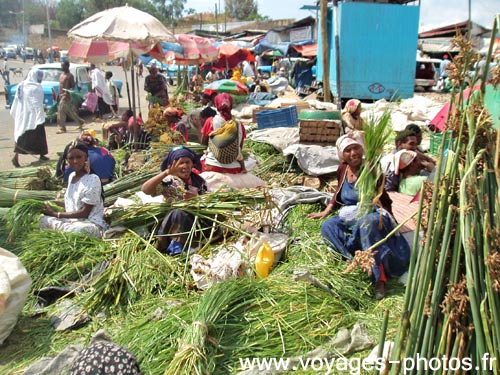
378 46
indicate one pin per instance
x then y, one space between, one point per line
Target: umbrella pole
138 93
133 105
126 83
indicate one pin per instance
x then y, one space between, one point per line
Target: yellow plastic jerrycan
264 260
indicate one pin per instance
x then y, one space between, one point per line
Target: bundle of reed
23 217
36 178
9 197
218 313
377 133
55 258
159 149
232 204
452 301
19 172
126 185
136 270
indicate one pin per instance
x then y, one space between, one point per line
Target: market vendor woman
83 201
347 233
175 182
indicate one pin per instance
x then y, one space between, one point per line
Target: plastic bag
90 102
15 284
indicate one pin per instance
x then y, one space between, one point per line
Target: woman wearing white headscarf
351 115
347 233
29 117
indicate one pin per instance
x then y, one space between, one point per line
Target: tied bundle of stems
35 179
222 303
377 133
452 304
126 185
9 197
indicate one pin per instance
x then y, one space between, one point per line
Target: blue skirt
394 254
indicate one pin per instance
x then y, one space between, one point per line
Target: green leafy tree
242 9
69 13
170 10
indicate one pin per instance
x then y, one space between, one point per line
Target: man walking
66 108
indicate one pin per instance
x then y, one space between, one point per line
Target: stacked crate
319 130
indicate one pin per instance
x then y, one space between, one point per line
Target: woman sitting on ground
346 233
351 115
175 182
83 201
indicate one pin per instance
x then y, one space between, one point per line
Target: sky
433 13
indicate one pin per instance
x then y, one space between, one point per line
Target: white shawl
100 87
27 108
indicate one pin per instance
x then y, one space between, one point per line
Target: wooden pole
337 54
325 50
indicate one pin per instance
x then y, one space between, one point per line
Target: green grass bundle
126 185
23 217
55 258
136 269
232 204
377 133
199 345
9 197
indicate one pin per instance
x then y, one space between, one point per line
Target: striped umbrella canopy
197 49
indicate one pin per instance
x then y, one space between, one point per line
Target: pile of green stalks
55 258
280 316
23 217
452 302
136 269
215 207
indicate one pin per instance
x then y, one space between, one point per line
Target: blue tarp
264 46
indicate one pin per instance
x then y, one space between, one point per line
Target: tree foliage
69 13
242 9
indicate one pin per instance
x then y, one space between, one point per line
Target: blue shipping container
378 49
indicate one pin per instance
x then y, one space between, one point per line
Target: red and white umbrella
197 49
102 51
117 32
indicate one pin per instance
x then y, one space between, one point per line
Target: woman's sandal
379 291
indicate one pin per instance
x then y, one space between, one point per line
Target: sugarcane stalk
383 332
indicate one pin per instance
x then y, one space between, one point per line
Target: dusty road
56 142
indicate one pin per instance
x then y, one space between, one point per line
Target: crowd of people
86 165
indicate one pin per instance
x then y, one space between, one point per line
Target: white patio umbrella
125 31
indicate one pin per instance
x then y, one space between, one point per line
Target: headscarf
87 138
78 145
177 153
352 105
224 103
348 139
172 111
27 108
402 159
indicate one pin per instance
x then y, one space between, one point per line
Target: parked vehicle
50 83
27 53
426 73
10 53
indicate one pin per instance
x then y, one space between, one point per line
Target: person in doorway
66 108
29 118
